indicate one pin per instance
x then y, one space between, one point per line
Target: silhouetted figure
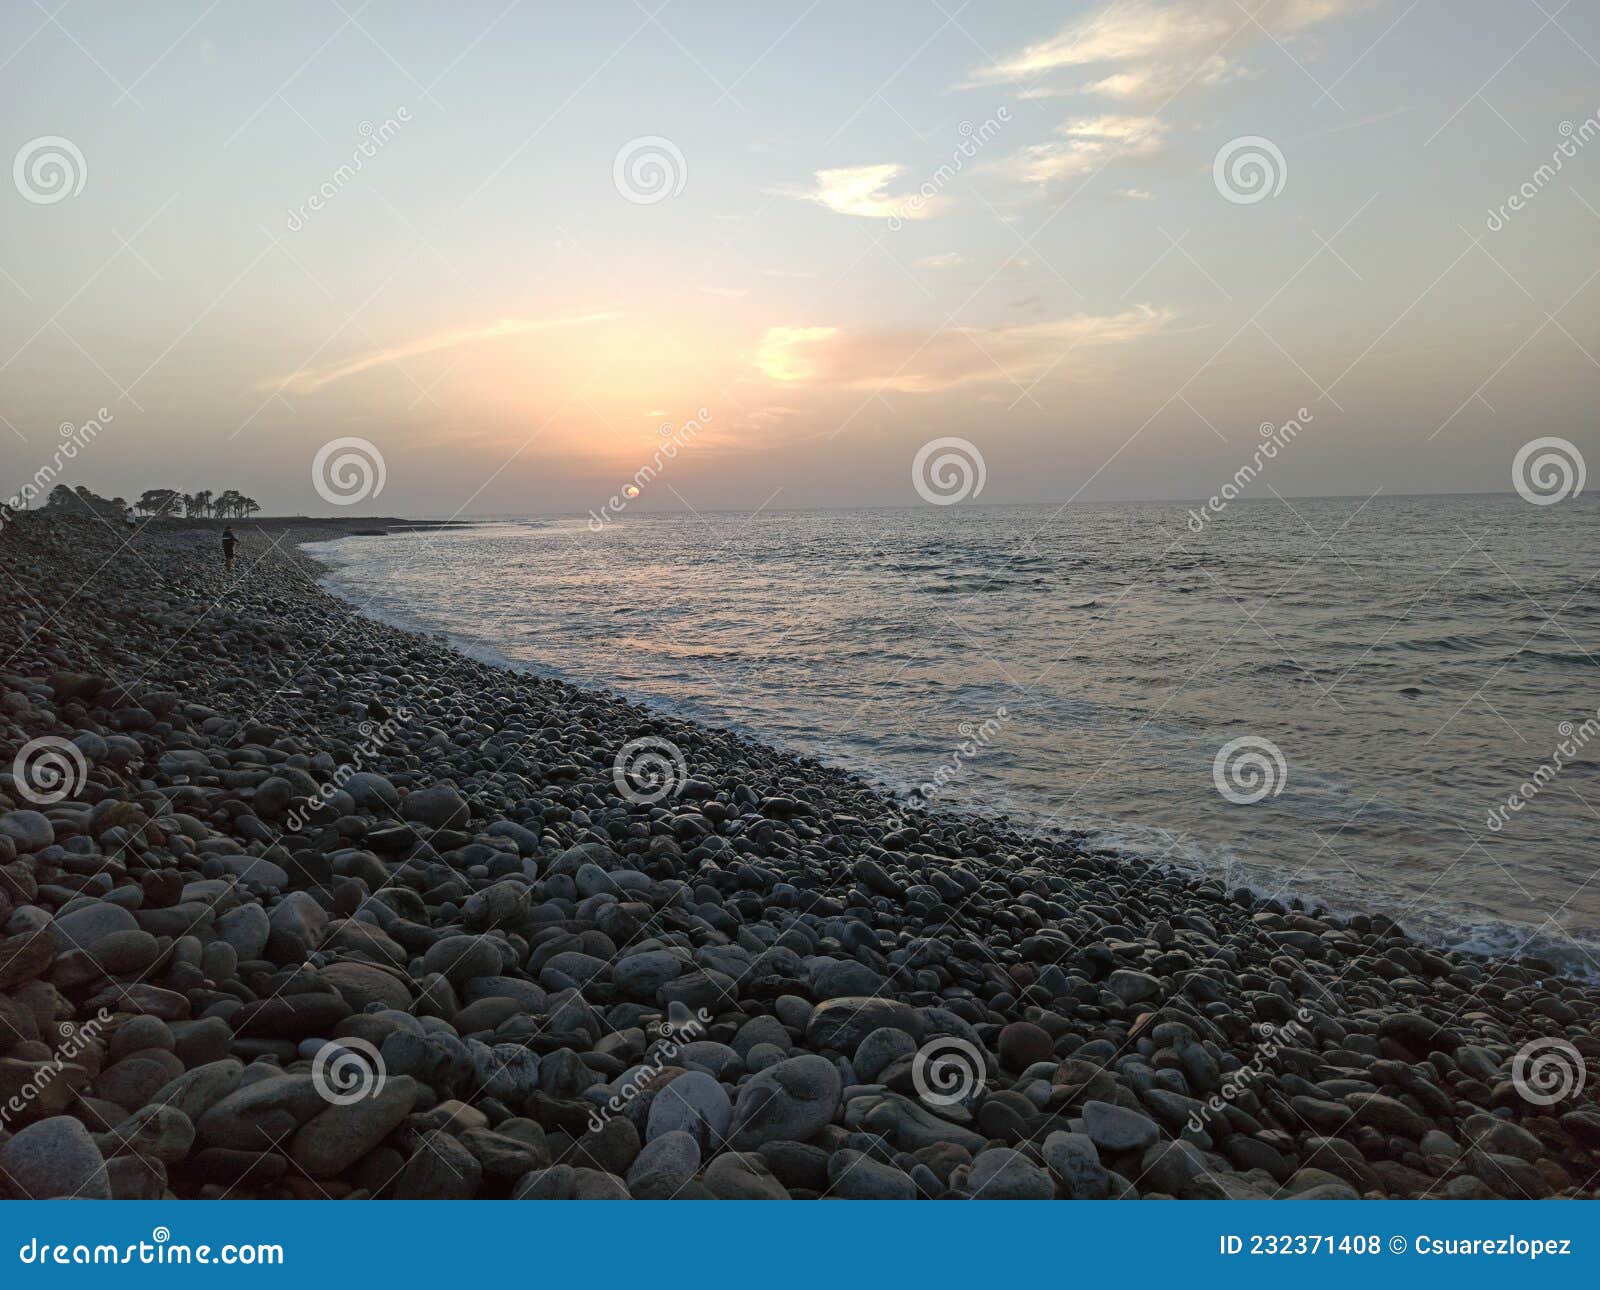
130 519
229 541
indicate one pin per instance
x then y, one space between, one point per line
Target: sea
1382 704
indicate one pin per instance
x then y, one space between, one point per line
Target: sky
512 250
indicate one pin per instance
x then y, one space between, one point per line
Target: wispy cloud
913 363
1145 53
1086 145
946 260
864 191
308 380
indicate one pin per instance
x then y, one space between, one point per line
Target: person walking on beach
130 519
229 541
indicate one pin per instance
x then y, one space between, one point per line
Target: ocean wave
1564 658
873 642
1453 644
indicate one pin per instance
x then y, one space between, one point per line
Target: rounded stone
788 1101
27 830
461 958
1022 1044
1116 1128
693 1103
246 929
880 1050
163 1133
438 806
1004 1174
1073 1159
55 1159
664 1166
338 1136
87 925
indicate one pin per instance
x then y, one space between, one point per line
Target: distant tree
248 506
82 501
158 501
202 503
227 504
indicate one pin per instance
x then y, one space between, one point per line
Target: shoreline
1468 930
506 922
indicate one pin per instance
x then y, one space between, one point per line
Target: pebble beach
298 904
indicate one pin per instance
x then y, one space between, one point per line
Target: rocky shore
297 904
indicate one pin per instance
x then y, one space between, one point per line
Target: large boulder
335 1138
440 806
372 792
257 1116
27 830
84 926
54 1159
692 1103
788 1101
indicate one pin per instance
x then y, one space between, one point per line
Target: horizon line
509 516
